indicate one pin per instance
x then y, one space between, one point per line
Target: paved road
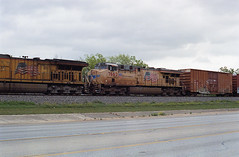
212 135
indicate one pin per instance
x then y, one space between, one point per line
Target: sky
174 34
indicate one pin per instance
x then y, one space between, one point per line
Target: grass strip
19 107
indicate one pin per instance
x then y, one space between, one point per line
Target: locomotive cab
104 75
109 66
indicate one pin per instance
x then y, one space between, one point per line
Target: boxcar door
213 82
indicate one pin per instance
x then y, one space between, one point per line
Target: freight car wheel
178 92
170 92
163 94
193 94
102 92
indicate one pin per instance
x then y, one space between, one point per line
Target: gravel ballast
107 99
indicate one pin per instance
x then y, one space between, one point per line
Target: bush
161 114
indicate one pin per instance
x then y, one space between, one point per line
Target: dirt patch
48 118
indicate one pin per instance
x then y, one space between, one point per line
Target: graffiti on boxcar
211 81
23 68
150 76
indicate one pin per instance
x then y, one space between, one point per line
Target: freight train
111 79
64 77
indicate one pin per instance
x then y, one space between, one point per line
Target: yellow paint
134 145
43 72
102 133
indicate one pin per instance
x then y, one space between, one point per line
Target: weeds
158 114
20 107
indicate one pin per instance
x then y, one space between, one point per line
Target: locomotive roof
163 70
189 70
112 64
67 62
126 67
53 61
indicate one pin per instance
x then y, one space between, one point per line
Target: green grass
18 107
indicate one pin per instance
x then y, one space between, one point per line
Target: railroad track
106 99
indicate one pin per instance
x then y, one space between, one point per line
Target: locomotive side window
59 76
131 68
112 68
100 66
166 79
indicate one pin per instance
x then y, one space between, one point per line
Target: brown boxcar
206 82
24 75
235 85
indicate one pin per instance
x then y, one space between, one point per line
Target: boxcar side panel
224 83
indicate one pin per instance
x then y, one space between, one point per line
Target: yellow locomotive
52 76
114 79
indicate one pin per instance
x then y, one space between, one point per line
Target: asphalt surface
211 135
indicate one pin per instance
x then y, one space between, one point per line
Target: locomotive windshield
109 66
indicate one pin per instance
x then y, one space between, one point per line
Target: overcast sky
176 34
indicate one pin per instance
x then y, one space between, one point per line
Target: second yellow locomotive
50 76
114 79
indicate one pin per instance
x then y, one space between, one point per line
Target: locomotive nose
92 75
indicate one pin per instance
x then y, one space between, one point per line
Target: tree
92 60
127 60
231 70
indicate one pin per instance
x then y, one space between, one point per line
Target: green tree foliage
229 70
127 60
92 60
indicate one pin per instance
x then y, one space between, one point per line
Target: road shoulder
52 118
